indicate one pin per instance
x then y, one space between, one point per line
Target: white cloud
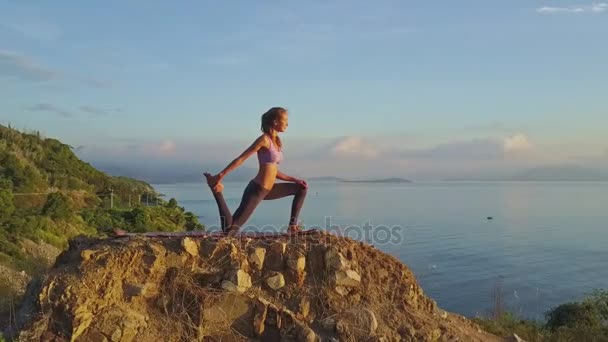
167 146
518 142
593 8
601 7
353 147
548 9
477 149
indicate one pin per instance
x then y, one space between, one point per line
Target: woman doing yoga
268 147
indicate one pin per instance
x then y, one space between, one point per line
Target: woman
263 186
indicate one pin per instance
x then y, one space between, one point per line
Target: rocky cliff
316 287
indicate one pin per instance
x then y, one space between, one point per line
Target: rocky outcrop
317 287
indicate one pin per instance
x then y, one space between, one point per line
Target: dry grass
183 301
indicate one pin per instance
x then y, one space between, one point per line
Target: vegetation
577 321
48 194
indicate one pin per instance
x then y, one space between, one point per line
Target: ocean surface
537 245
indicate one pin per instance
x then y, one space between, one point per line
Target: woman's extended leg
280 190
252 196
216 190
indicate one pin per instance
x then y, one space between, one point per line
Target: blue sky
385 88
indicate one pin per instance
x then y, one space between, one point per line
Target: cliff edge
315 287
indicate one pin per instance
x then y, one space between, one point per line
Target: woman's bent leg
280 190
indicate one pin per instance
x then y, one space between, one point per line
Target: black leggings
254 193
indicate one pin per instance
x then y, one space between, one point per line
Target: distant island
329 178
384 180
344 180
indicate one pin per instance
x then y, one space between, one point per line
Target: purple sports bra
270 155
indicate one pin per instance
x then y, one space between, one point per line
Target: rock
190 246
131 325
82 320
116 335
335 261
279 247
256 257
97 337
434 335
240 281
276 282
259 317
86 254
348 278
357 323
193 289
306 334
208 249
328 323
133 290
275 256
304 307
382 273
229 308
517 338
342 291
297 263
406 332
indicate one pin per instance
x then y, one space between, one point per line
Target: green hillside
49 195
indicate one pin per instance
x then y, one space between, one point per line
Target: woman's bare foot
215 187
294 228
231 231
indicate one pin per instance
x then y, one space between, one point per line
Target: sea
475 247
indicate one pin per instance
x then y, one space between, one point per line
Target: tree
6 184
192 222
57 206
7 207
139 219
172 203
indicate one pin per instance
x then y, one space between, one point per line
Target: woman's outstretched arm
253 148
287 178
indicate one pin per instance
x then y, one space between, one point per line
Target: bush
579 321
57 206
508 324
172 203
599 300
7 206
138 219
104 220
572 315
6 184
192 222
